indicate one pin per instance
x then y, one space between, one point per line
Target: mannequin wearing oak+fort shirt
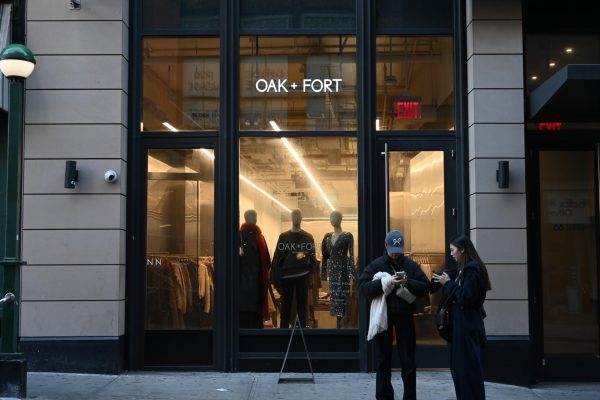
255 262
293 262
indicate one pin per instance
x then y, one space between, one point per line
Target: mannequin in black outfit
293 262
251 280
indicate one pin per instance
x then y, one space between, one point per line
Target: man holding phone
411 282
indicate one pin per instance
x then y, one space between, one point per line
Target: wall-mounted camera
502 175
111 176
75 4
71 174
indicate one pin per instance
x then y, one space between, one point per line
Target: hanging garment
378 321
338 262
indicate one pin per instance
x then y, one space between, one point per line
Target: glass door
568 263
179 263
420 201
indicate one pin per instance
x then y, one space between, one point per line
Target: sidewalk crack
97 391
252 392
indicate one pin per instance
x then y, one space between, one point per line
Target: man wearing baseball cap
398 280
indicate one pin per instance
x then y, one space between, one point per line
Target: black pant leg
406 342
383 364
301 284
287 294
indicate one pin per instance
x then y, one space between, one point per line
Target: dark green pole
16 63
10 243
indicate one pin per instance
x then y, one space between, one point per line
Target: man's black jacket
417 282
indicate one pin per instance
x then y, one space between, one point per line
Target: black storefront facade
238 30
562 80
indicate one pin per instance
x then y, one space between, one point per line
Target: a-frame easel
296 380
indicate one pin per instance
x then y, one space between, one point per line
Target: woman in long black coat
468 335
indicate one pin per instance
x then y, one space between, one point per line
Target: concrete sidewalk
431 385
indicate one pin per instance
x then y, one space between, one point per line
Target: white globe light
20 68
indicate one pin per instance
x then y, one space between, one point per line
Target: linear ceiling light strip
310 176
255 186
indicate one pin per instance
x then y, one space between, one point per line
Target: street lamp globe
16 61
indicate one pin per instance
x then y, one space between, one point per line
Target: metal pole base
13 375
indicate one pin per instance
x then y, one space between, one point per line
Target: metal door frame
562 367
428 356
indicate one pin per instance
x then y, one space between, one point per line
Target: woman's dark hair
462 242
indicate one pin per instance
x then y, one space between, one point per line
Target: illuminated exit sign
406 107
549 126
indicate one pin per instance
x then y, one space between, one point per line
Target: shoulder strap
450 298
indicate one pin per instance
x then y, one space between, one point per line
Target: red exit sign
549 126
408 110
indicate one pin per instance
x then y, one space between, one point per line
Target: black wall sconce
502 174
71 174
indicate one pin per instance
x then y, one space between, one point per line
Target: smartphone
401 274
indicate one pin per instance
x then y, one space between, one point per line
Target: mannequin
338 265
293 262
255 262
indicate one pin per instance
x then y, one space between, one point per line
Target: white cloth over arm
378 317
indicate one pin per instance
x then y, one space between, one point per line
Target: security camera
75 4
111 176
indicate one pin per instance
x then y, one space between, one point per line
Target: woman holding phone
468 291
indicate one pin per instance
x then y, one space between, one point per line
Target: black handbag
443 317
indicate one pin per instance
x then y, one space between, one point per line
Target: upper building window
404 16
181 84
181 14
415 83
301 83
259 15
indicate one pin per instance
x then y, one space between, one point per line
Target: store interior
316 175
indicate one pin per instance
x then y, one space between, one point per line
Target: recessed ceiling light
569 50
552 64
534 77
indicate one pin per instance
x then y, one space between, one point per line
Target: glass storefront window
298 14
415 83
181 14
302 194
180 239
304 83
181 84
416 208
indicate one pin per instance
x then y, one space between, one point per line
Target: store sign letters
307 85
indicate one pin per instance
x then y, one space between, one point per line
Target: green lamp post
16 63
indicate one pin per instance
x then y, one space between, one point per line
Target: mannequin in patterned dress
338 265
